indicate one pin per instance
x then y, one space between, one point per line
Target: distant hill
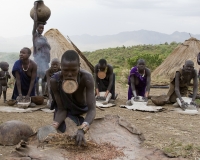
90 43
10 58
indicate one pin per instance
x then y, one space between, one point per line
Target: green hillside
10 58
123 58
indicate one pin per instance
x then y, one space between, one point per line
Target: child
4 76
55 67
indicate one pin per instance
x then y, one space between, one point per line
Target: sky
103 17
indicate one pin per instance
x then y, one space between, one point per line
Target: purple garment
25 81
140 87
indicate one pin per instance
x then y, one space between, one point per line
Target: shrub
152 60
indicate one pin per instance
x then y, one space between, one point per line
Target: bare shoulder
53 83
48 71
85 74
148 71
110 66
195 72
32 63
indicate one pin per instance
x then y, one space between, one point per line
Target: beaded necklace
27 67
141 74
3 76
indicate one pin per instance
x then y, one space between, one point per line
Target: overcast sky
103 17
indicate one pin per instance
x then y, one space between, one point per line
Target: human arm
95 80
91 113
47 75
195 88
33 77
111 76
61 112
133 85
8 75
177 90
18 83
35 18
148 72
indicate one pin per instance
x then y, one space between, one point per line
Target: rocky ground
175 134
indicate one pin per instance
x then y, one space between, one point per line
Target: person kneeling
73 95
55 67
104 81
25 71
180 82
139 82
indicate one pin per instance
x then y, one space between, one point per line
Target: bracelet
55 124
85 127
86 123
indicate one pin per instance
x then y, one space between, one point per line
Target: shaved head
141 61
55 60
189 62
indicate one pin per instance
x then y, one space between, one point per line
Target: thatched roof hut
185 51
59 44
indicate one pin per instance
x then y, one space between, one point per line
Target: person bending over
73 95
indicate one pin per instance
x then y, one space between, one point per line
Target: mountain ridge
86 42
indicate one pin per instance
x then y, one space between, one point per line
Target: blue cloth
25 81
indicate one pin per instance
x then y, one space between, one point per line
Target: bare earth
169 131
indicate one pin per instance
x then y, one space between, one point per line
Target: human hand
136 98
193 103
80 138
145 99
19 98
184 105
146 94
106 94
27 98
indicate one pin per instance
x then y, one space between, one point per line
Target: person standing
41 50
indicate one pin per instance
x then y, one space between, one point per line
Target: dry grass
176 149
186 51
59 44
91 151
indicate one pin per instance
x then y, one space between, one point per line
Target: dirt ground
171 132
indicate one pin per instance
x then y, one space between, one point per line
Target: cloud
170 7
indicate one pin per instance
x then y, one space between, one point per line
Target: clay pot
38 100
43 12
11 102
159 100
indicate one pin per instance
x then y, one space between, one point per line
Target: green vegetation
176 149
124 58
10 58
152 60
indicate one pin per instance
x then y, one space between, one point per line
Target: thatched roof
59 44
185 51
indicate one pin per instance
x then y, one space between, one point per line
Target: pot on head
43 12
